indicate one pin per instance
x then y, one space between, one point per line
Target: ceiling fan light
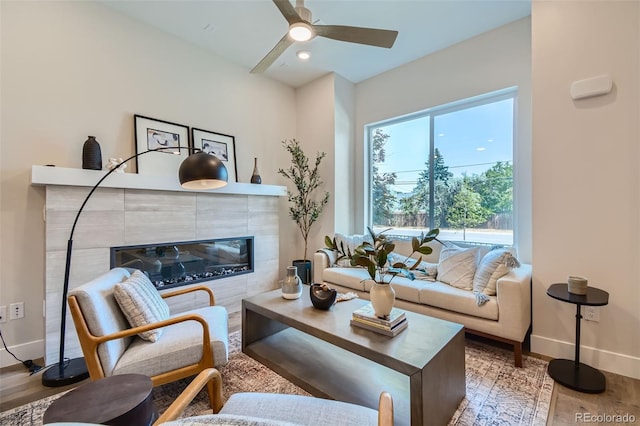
300 31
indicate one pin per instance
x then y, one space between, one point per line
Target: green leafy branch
304 209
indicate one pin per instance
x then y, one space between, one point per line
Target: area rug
497 392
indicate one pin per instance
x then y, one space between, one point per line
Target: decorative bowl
322 296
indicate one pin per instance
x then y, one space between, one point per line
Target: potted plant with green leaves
374 257
305 207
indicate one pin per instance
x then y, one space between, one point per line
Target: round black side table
121 400
574 374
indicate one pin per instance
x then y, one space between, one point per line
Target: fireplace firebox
176 264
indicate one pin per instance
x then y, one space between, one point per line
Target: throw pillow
141 304
348 243
425 270
493 265
457 266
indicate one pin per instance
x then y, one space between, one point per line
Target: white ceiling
244 31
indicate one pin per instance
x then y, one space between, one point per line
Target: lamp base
74 371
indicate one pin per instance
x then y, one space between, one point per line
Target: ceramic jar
382 299
292 284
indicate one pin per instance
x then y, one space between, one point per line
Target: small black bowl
322 296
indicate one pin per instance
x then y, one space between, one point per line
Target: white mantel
48 175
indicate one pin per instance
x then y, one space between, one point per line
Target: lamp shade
202 171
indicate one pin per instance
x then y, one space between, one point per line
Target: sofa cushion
349 243
424 271
347 277
141 304
457 266
444 296
493 265
404 288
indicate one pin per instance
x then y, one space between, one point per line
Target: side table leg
578 318
573 374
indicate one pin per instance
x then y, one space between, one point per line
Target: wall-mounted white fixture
594 86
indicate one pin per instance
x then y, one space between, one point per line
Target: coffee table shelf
328 371
422 367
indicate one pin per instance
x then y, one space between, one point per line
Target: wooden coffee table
423 367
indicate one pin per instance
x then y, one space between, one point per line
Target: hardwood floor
622 396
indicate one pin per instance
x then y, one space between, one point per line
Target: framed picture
152 133
220 145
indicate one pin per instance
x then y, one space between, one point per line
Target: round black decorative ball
322 297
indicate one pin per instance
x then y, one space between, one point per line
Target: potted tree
305 208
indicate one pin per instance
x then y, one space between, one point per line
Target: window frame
432 113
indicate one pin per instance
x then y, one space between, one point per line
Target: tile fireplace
138 211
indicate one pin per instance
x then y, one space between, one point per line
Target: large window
450 167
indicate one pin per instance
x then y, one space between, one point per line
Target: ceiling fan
301 29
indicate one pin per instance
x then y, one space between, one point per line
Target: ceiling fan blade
288 11
370 36
271 57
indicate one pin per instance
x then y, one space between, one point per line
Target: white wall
72 69
315 131
344 148
586 181
494 60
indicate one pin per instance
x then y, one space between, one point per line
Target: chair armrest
189 393
513 293
322 259
385 410
135 330
212 299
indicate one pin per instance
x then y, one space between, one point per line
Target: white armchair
191 341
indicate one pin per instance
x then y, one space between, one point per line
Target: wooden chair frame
89 344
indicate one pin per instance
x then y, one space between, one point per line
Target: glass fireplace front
171 265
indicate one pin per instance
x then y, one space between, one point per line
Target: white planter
382 299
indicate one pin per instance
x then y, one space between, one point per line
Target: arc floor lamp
198 171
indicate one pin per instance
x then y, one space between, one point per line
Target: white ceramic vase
382 299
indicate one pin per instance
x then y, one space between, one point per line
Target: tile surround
124 216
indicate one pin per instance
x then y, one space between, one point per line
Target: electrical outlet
3 313
16 310
592 313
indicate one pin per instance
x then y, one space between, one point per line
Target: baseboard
24 351
613 362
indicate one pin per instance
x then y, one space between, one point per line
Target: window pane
475 145
471 154
400 152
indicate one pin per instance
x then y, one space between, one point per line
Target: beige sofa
505 317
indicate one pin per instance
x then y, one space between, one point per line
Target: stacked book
365 317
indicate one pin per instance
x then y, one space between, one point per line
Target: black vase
91 155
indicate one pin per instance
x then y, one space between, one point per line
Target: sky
470 141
